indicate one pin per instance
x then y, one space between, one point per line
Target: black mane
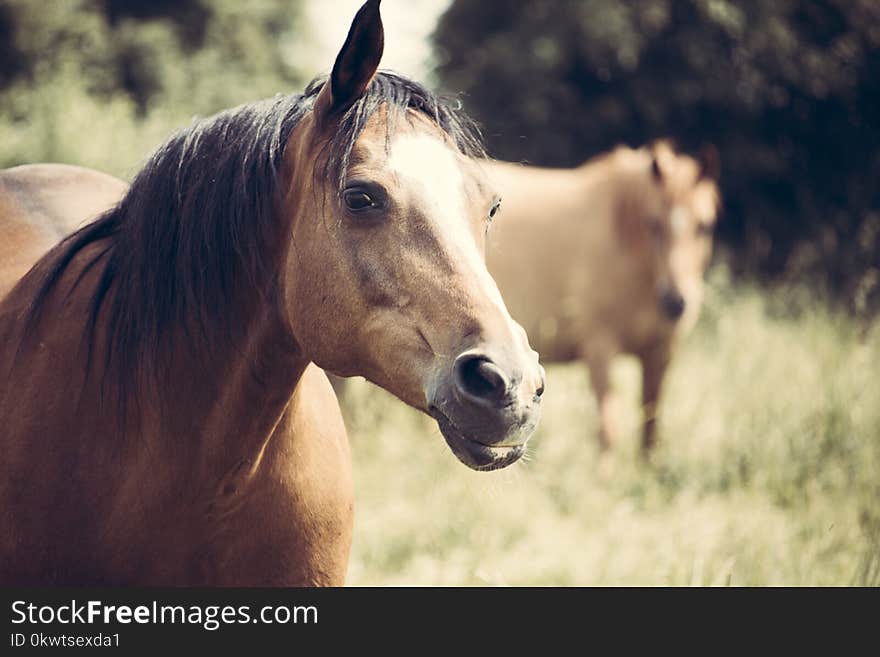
192 230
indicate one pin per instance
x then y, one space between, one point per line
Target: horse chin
474 454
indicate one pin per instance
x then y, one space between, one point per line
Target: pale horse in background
607 258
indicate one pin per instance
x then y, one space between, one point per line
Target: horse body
605 259
42 203
553 261
164 418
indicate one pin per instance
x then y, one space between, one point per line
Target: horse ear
655 167
710 162
654 150
356 62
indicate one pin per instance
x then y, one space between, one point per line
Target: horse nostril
480 379
673 304
540 390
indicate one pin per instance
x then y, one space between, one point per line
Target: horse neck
614 178
214 394
243 395
611 167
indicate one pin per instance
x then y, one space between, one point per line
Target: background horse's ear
356 63
655 167
656 150
710 162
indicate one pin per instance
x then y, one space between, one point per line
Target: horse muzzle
487 407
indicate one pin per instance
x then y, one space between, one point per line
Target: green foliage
768 472
788 91
102 83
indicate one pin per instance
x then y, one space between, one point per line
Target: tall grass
768 473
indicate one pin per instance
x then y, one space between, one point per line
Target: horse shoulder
302 512
324 457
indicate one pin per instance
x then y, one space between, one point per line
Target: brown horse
162 418
607 258
42 203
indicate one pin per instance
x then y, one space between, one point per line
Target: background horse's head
385 275
673 217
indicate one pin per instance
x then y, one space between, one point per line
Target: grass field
768 473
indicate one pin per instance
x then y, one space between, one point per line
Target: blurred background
769 471
789 92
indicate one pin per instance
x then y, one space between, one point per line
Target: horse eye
496 206
361 198
356 200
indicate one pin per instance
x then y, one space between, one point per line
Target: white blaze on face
678 220
429 164
431 171
684 273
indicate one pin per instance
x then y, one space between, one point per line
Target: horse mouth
474 454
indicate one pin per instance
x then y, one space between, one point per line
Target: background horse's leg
598 360
654 363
